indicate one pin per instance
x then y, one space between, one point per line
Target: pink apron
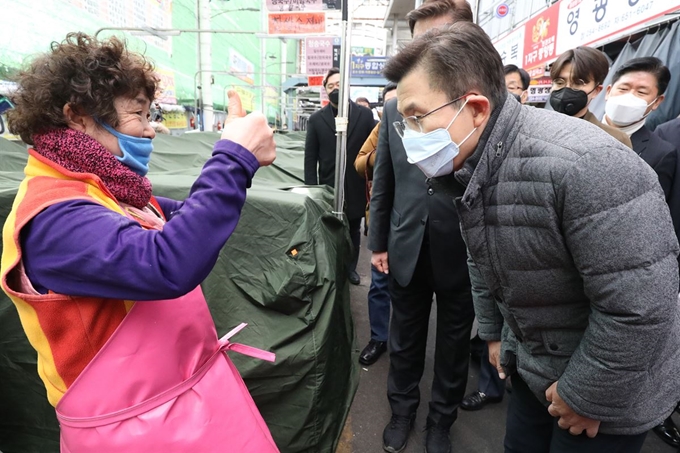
163 383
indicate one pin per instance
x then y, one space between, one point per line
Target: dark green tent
296 304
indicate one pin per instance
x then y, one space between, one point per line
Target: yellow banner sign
247 98
175 120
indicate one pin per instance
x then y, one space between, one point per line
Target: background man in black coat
415 237
320 143
636 90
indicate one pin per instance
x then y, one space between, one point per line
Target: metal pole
198 123
282 96
178 31
263 61
341 120
205 49
395 33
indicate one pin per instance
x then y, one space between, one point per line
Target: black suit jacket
320 144
659 154
403 205
670 132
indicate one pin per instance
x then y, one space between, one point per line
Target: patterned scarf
80 153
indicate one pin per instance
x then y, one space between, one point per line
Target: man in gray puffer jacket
572 244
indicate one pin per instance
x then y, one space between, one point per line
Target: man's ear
481 108
74 119
609 89
658 102
523 98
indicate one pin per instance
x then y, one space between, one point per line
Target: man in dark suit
637 89
320 144
670 132
415 238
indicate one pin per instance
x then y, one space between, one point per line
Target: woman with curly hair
105 276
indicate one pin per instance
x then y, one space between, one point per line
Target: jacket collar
640 139
493 144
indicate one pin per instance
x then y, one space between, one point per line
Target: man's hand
568 419
495 357
250 131
379 261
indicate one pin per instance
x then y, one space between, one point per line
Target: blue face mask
136 150
433 152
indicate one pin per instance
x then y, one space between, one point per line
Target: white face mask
433 152
626 109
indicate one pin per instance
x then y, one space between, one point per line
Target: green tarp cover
282 272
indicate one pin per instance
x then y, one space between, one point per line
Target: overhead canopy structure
282 271
295 82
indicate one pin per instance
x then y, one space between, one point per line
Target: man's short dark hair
651 65
457 10
523 75
389 87
458 60
587 64
331 71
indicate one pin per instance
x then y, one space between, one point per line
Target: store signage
367 66
502 10
297 23
318 55
511 48
586 22
315 81
540 35
294 5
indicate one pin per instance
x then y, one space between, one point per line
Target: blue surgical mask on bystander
136 150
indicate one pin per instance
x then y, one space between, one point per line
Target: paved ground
474 432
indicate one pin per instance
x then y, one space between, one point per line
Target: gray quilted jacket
575 250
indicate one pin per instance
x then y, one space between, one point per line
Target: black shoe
437 440
668 432
372 352
354 278
395 435
477 400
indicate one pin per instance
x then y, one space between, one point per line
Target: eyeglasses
575 84
413 122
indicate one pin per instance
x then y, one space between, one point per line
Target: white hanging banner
511 47
294 5
587 22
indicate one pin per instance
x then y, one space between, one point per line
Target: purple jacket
81 248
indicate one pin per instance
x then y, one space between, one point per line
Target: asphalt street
474 432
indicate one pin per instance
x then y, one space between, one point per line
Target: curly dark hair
83 72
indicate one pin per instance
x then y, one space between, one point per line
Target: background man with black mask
577 77
320 143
